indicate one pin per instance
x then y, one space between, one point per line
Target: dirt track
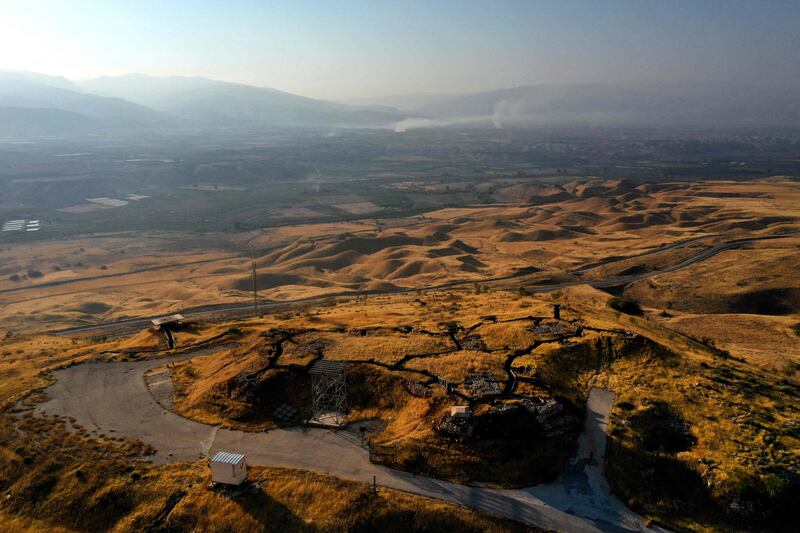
112 398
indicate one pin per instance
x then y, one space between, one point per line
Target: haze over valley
35 104
370 266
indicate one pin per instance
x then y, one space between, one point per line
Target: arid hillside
744 301
529 233
57 476
700 438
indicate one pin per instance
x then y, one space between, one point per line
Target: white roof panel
167 319
228 458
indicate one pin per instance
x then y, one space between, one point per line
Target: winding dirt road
113 398
237 308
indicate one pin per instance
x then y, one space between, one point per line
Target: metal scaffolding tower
329 392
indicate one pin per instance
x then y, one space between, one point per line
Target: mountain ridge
140 101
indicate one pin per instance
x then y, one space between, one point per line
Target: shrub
189 371
756 499
661 428
626 305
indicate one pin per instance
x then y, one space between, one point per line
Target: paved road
112 398
235 308
70 281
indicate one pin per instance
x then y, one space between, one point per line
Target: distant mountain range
53 105
211 102
711 105
35 104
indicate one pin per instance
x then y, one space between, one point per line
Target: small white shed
459 411
228 467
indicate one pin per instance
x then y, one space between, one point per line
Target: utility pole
255 290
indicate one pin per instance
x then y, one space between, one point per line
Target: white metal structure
328 392
166 320
228 468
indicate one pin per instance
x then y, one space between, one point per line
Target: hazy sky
344 49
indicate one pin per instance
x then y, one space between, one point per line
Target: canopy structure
167 320
165 325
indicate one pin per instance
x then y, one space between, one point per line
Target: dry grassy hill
699 439
704 360
746 302
56 476
537 232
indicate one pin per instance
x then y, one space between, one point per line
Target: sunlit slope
537 233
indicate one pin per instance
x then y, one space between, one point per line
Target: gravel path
112 398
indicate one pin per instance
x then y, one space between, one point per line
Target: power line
255 290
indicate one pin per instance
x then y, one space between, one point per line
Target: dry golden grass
701 358
57 480
740 415
60 479
712 287
737 409
25 361
591 222
766 341
383 347
507 335
393 343
458 365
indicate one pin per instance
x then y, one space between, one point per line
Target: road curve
131 324
112 398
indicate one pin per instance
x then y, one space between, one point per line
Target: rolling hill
30 91
38 105
213 102
35 104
